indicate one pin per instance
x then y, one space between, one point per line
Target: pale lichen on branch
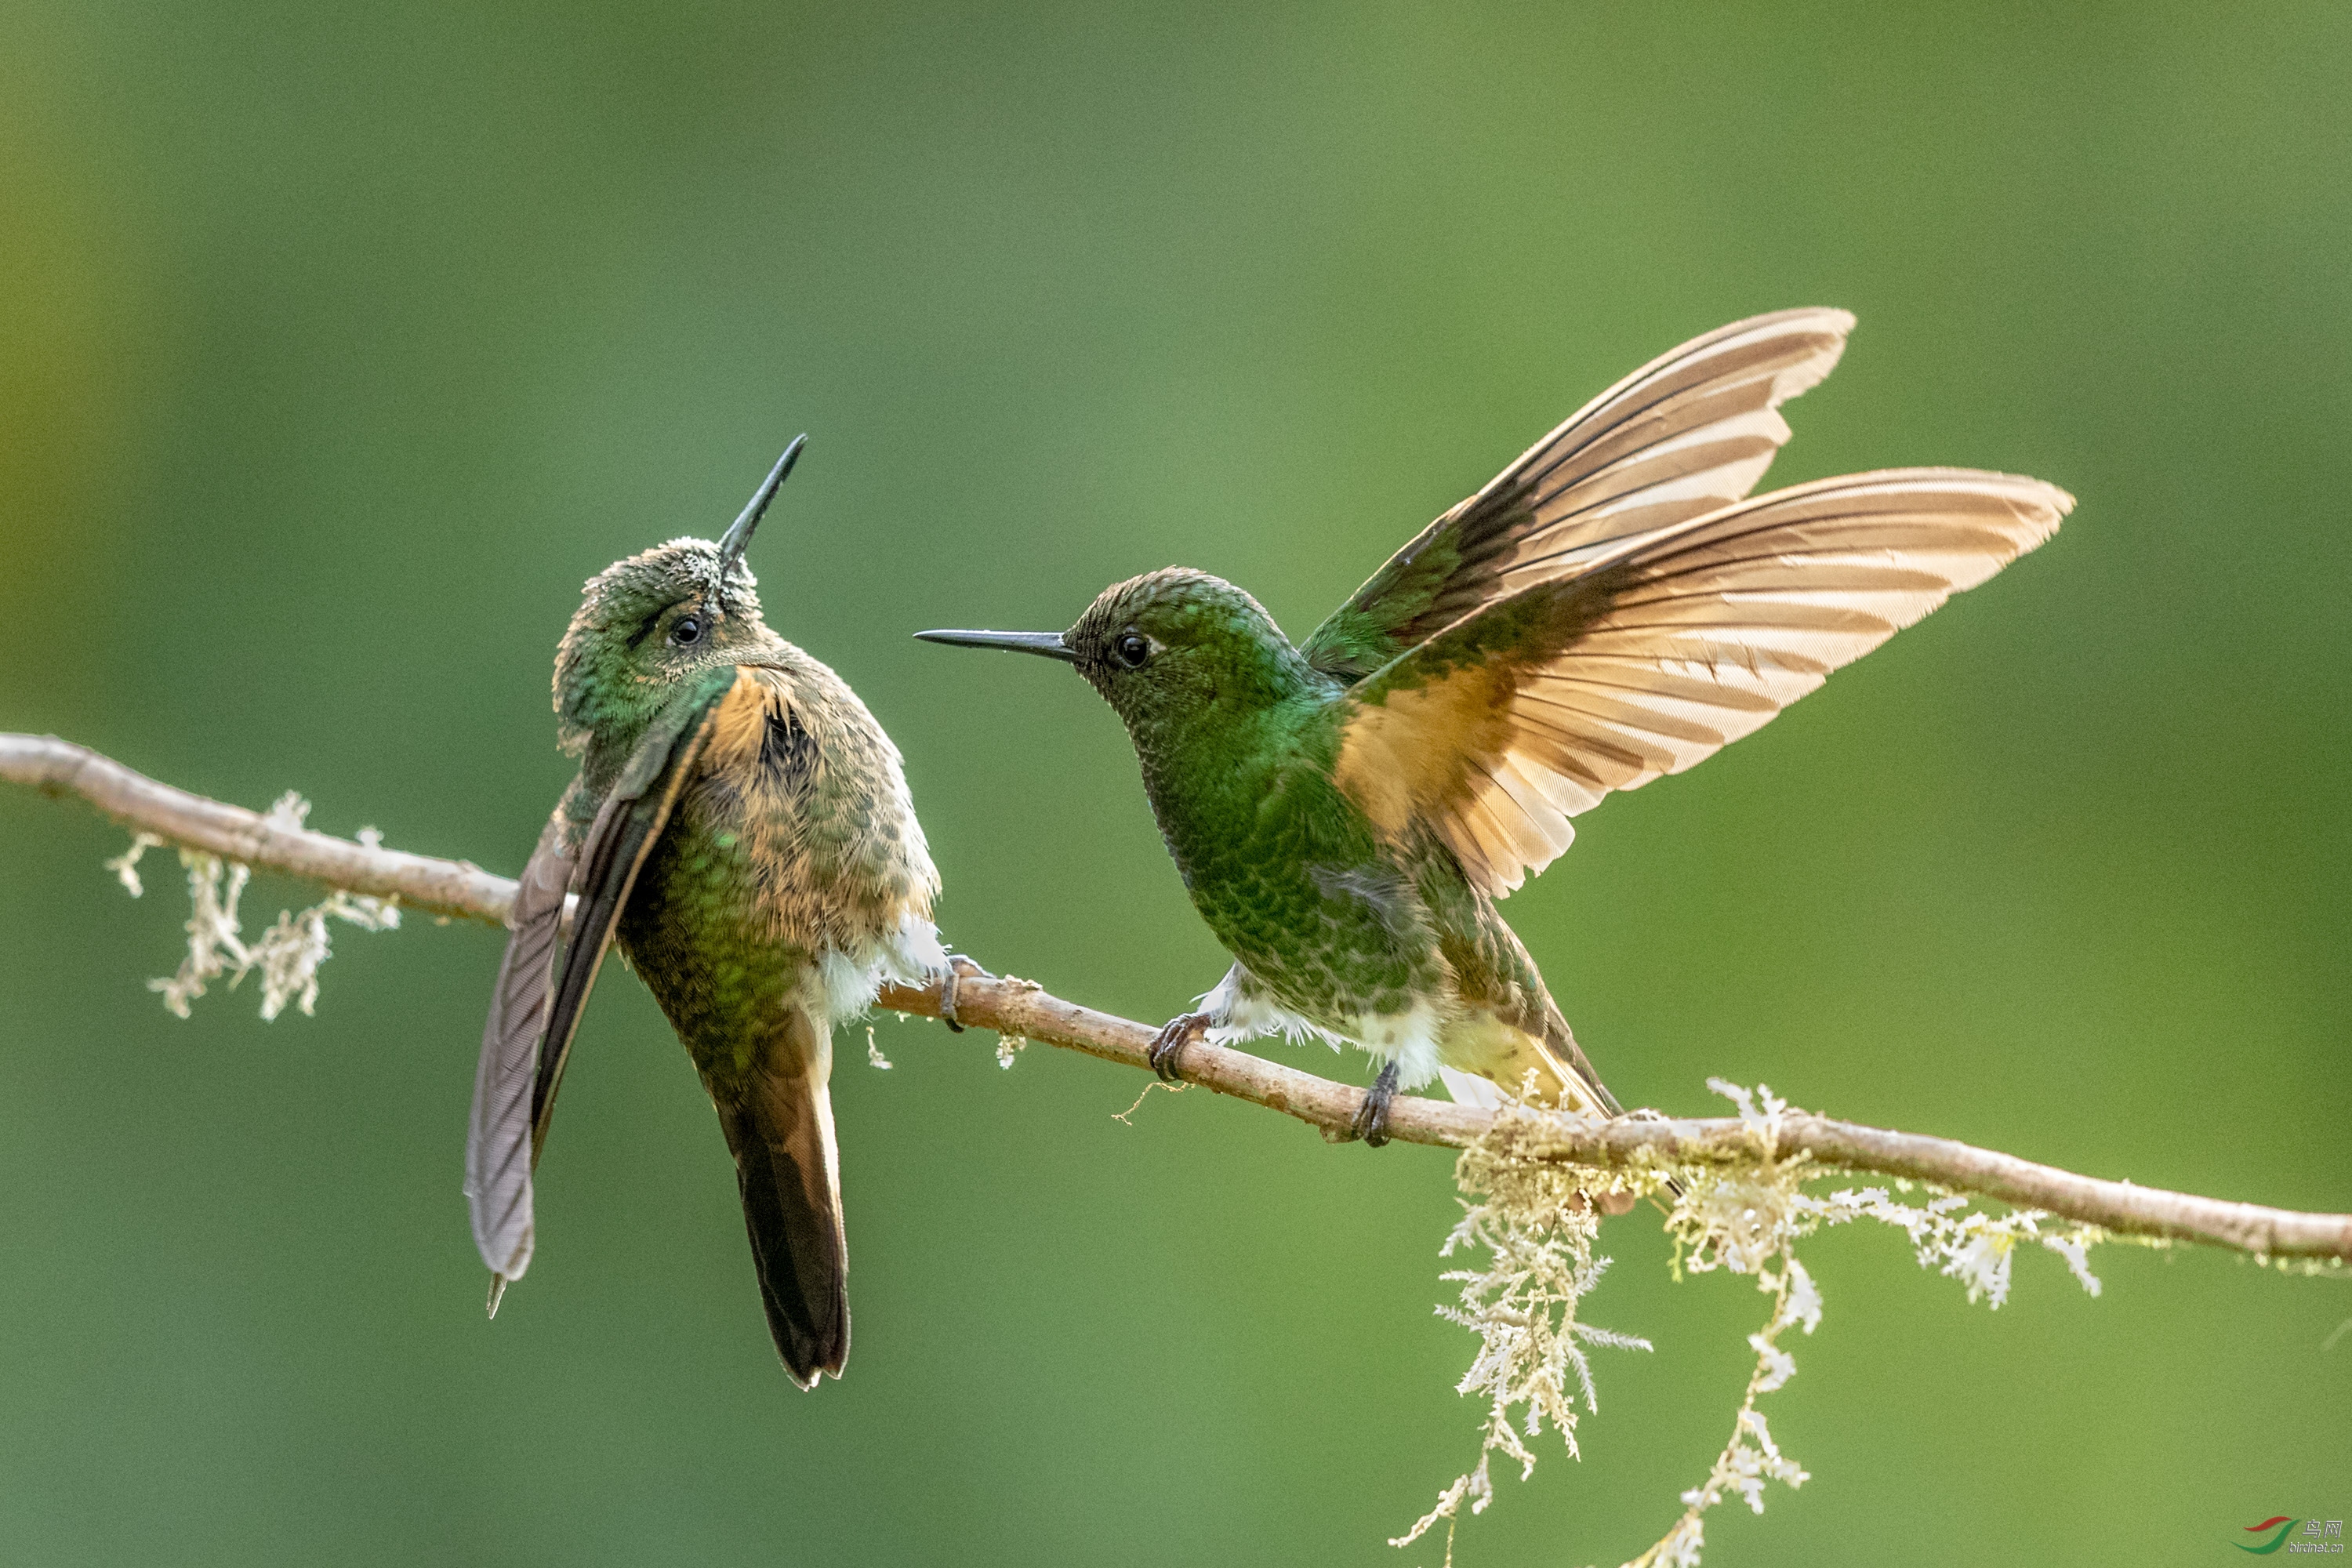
287 954
1533 1220
1739 1211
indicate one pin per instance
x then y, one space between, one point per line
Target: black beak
1050 643
739 537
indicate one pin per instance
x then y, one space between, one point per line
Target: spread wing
1655 654
535 1009
1686 434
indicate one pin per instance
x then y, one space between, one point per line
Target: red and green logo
2276 1529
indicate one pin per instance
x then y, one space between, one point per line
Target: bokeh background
338 343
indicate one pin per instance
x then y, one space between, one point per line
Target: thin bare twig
420 882
1024 1009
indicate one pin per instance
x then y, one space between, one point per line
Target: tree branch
1021 1008
421 882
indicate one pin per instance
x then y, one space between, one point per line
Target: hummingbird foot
1371 1123
958 966
946 999
1167 1051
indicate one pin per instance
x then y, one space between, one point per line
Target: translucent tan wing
1658 652
1686 434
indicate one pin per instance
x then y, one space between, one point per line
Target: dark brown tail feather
780 1130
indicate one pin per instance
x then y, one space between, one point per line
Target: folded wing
497 1137
1686 434
536 1007
1651 655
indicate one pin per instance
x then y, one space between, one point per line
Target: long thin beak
1050 643
739 536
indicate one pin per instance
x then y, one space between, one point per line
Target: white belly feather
911 955
1409 1039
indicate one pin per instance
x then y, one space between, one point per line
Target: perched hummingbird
741 824
1345 812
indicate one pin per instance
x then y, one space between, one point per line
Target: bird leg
1371 1123
957 964
1168 1046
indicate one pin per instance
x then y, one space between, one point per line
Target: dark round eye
1132 649
688 630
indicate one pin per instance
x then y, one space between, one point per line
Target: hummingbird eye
1132 649
687 632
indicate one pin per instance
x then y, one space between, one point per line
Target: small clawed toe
1371 1123
1166 1055
957 967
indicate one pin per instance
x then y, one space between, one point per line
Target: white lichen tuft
1532 1220
1961 1244
874 1055
1743 1215
1008 1051
125 866
287 955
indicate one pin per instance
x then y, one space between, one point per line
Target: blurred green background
340 343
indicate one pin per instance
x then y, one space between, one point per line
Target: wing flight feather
1655 654
1686 434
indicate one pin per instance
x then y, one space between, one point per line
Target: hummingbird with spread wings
741 827
1611 608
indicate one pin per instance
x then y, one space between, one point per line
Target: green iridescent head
655 618
1167 644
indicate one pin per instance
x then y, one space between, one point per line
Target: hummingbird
1346 813
741 827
